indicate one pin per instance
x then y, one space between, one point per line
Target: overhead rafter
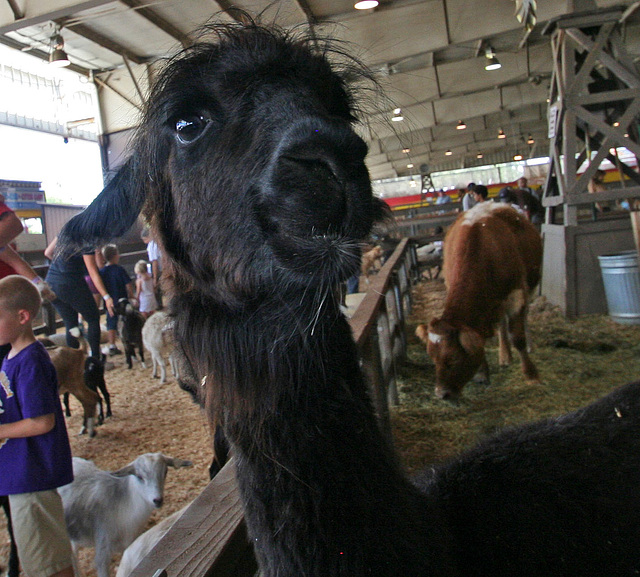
157 20
32 17
100 39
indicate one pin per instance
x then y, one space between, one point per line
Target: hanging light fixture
58 56
461 125
501 134
517 156
397 115
366 4
530 140
448 152
492 62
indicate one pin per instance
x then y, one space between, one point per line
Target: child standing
119 285
35 456
144 289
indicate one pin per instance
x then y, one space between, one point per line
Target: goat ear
126 470
109 216
176 463
470 340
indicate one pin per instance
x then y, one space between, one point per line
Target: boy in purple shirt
35 456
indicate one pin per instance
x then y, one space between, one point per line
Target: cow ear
470 340
109 216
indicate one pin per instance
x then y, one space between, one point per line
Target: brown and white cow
492 262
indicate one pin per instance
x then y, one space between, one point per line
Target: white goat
108 510
139 549
157 337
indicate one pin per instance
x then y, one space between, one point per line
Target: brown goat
69 364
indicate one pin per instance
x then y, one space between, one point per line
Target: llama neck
323 495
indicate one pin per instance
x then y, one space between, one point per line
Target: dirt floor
578 360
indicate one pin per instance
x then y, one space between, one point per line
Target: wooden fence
210 538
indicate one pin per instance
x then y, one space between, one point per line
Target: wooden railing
210 538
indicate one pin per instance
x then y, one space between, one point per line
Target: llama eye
190 128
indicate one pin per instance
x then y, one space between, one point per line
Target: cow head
457 352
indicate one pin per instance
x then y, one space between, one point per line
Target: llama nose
313 176
158 502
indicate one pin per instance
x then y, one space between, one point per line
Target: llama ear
381 211
109 216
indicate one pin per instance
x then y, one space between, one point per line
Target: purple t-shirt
28 389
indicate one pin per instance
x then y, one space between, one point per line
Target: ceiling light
58 56
501 134
517 157
409 165
448 152
492 61
461 125
406 150
616 123
397 115
479 155
530 140
366 4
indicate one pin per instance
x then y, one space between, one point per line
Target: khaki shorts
40 533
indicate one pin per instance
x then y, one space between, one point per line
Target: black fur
260 214
94 380
130 331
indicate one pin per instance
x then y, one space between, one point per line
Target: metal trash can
622 286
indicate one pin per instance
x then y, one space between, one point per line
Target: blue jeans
74 297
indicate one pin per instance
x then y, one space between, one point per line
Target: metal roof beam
38 12
157 20
100 39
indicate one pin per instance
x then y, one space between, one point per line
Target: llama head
248 168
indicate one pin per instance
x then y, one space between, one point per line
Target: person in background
100 262
155 258
596 184
120 286
468 201
66 278
480 193
35 456
10 261
443 197
144 289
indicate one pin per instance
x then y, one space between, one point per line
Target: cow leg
482 374
67 409
504 343
518 330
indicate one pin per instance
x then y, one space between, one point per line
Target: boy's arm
130 292
28 427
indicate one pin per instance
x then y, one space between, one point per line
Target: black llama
249 170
